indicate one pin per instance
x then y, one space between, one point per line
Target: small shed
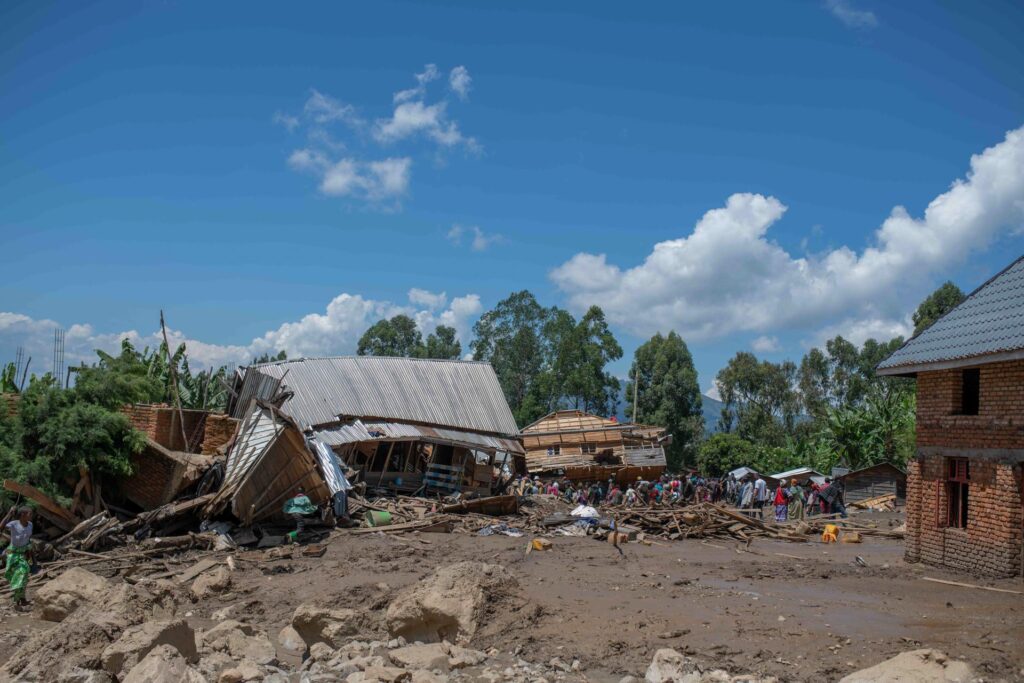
878 480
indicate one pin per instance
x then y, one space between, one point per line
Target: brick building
964 488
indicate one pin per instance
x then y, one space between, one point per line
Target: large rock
78 642
291 642
317 624
69 591
241 642
211 582
80 675
429 656
163 664
668 666
137 641
245 672
917 666
449 604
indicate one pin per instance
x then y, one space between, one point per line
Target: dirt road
799 611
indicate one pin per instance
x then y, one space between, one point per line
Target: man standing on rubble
19 556
760 495
299 508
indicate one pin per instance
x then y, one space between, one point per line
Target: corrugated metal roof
799 471
989 321
457 394
356 431
258 433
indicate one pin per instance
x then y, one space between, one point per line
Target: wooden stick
971 585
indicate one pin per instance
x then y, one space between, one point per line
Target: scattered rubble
917 666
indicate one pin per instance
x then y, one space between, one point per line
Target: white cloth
21 535
760 491
584 511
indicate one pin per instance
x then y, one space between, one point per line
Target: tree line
829 409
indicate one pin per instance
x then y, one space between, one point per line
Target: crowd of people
751 495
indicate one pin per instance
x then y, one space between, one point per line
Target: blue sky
274 176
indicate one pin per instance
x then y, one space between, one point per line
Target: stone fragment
69 591
427 656
317 624
137 641
163 664
916 666
211 582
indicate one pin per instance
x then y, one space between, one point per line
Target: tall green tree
761 401
442 344
668 394
582 354
937 304
723 452
511 338
270 357
399 336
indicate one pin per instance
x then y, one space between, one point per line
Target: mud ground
798 611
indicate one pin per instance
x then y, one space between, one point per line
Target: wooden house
882 479
582 446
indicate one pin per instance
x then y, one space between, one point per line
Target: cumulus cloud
477 238
460 82
728 276
766 344
335 331
348 177
430 300
850 15
339 149
430 73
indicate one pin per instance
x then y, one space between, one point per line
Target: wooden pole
174 383
636 393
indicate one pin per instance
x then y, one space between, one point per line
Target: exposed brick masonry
991 543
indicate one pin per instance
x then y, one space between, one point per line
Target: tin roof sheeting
354 432
990 320
457 394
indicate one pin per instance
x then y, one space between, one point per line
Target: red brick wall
991 543
219 430
1000 419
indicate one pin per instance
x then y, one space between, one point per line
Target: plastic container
378 518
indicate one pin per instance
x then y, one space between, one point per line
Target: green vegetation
939 303
401 337
53 432
668 394
546 360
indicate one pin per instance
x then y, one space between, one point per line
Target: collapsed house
964 487
402 425
802 475
582 446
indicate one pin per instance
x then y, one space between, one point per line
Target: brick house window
970 391
554 450
958 477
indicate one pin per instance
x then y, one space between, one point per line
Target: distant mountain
712 411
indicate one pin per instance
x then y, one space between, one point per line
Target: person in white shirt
760 495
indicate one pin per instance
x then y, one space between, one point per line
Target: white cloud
460 82
411 118
376 181
766 344
727 276
335 331
430 73
325 109
430 300
850 15
342 164
478 239
287 120
712 392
